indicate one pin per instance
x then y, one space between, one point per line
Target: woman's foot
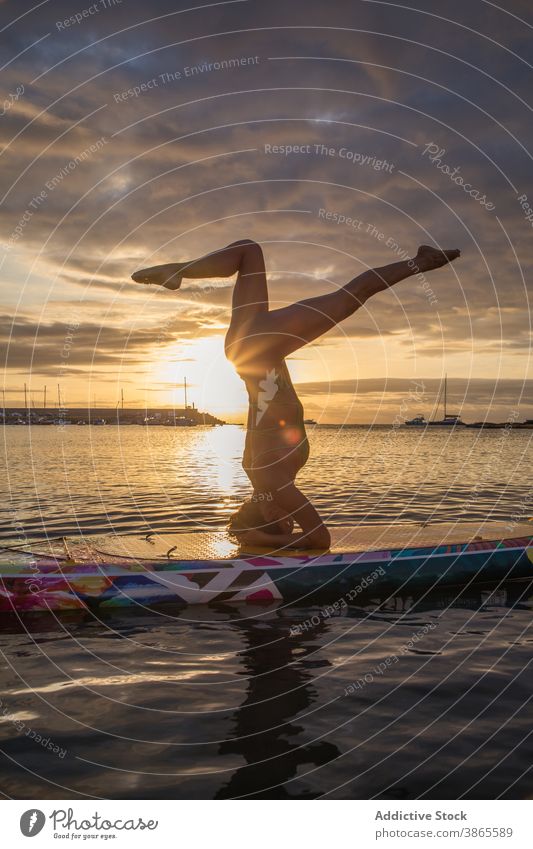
161 275
429 258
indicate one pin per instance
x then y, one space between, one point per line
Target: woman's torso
276 434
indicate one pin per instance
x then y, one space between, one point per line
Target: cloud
476 389
384 399
44 348
184 167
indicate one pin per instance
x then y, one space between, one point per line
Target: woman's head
261 515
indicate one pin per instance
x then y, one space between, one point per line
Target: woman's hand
272 512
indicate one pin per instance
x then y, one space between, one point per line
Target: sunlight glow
212 382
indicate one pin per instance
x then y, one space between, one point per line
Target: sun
212 383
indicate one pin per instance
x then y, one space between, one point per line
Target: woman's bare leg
244 257
250 293
249 300
281 332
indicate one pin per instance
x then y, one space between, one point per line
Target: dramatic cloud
132 135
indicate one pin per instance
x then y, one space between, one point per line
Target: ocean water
96 479
398 697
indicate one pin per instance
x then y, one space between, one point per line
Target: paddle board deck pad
145 570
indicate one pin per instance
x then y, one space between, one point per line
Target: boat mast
185 389
445 392
436 408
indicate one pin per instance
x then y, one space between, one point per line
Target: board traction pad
212 546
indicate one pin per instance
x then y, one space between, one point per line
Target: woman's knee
248 247
245 242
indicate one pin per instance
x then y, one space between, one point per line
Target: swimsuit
275 418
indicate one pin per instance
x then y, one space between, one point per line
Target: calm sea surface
397 698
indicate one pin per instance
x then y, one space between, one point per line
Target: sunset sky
387 104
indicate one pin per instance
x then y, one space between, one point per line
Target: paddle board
147 569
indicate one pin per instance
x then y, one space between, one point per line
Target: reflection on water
62 481
396 698
280 672
244 702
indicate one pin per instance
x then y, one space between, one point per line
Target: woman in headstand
257 342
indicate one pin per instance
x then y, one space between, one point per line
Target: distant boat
182 421
418 421
447 420
174 421
309 421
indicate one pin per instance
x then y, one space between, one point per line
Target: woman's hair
249 517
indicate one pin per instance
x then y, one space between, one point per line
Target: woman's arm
295 504
299 508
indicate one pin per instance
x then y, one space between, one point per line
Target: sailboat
448 420
418 421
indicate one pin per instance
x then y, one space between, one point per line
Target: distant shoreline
206 420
